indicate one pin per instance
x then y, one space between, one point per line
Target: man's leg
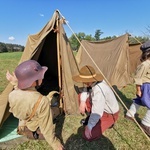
104 123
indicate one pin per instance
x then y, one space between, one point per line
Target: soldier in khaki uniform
142 81
25 98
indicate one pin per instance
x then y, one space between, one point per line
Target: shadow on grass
59 127
122 96
76 142
126 101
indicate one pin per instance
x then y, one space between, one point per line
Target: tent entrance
48 57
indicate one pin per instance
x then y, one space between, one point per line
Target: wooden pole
59 65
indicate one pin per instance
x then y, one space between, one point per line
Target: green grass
8 61
125 135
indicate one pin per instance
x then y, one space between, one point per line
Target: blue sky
20 18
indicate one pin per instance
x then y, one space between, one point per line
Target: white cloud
11 38
42 15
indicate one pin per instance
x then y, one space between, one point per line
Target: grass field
125 135
8 61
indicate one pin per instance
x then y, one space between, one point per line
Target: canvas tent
50 47
114 58
134 55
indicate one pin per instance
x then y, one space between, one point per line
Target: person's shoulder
145 63
101 84
141 65
15 94
15 91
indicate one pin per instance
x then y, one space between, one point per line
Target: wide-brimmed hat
28 72
87 74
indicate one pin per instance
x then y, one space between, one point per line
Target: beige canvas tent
115 59
50 47
134 55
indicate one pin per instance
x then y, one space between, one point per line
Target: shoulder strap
35 108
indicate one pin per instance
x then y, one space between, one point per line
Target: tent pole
59 67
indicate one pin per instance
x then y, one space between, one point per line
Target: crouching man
99 100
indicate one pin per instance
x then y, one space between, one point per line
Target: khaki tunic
142 74
21 105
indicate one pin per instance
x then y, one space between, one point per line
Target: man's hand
88 132
61 147
138 90
139 93
11 77
82 107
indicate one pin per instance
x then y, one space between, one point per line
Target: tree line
74 42
7 47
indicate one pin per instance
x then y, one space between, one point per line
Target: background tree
81 36
108 38
89 37
3 48
97 35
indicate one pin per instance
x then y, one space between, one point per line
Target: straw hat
87 74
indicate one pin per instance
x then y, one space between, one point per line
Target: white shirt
103 100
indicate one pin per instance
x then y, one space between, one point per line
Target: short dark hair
145 55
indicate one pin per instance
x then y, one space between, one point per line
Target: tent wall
134 54
111 57
69 68
4 107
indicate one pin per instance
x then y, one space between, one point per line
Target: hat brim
98 77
